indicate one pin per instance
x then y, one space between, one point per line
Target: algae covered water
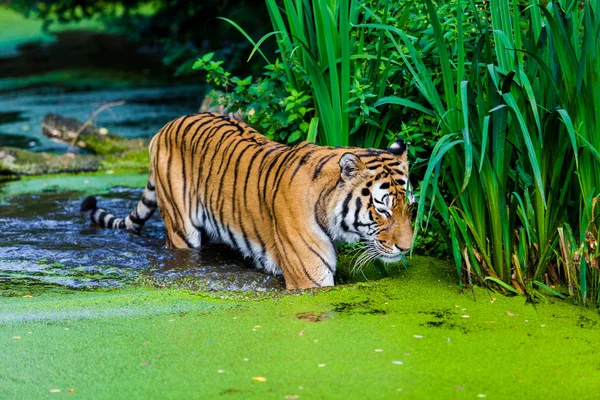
410 336
45 239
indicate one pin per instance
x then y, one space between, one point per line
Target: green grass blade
312 130
243 32
503 284
403 102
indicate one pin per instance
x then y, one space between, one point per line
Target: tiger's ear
350 166
398 148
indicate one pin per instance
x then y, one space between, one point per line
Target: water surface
44 238
145 111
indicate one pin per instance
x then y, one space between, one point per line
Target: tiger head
377 205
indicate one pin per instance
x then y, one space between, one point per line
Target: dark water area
76 49
77 73
145 111
44 238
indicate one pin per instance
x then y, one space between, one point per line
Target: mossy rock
91 139
15 161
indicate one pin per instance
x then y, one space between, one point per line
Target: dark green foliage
268 104
178 28
349 88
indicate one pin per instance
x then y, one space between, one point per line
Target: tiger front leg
306 263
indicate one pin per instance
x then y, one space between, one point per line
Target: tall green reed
345 68
315 43
519 156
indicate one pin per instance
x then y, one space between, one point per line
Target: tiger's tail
134 221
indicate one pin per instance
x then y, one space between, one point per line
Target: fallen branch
91 120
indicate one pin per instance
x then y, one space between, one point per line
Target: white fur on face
409 193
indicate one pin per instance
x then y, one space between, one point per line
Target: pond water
72 71
145 111
44 238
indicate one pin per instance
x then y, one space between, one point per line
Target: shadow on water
45 239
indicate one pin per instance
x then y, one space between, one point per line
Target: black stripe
200 131
148 203
234 242
265 167
232 142
261 242
279 174
269 172
133 218
357 213
100 219
308 275
303 161
320 165
208 173
288 263
204 119
166 210
220 198
318 255
250 215
381 159
250 165
345 210
184 238
208 138
236 172
208 135
110 222
369 153
323 195
200 122
169 170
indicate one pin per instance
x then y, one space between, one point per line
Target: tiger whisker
369 255
366 260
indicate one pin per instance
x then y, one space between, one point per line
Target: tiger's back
284 207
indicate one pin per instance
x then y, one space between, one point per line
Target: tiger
284 207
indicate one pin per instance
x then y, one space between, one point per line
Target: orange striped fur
284 207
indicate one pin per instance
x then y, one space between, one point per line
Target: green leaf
403 102
503 284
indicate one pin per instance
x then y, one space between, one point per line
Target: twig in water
91 119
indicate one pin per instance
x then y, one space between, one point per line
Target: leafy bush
269 104
348 81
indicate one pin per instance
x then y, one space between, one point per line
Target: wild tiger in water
283 206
